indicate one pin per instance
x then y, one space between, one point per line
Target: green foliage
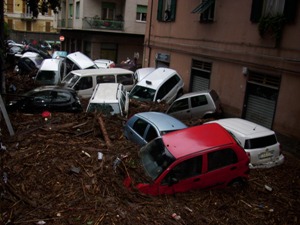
272 24
42 6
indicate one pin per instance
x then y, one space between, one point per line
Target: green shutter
256 10
159 10
173 10
141 9
290 10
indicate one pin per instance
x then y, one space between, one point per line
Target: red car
199 157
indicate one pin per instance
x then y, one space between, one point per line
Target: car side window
167 87
151 134
84 83
140 126
125 79
199 100
179 105
106 79
221 158
60 97
186 169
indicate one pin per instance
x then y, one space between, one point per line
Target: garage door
261 98
200 75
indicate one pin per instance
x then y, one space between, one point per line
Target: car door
183 176
221 167
199 106
168 91
136 131
180 109
85 87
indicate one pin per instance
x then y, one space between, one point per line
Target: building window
71 8
28 26
206 10
166 10
108 10
10 6
262 8
77 10
141 13
48 27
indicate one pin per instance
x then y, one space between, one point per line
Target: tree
42 6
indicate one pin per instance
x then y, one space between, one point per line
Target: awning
203 6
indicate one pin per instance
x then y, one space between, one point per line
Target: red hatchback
199 157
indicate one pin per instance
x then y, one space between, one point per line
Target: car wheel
237 183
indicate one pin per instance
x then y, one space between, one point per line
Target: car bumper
279 160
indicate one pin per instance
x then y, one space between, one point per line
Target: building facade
24 26
107 29
248 51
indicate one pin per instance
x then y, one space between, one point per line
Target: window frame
164 5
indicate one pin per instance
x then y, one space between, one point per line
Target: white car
163 84
260 142
104 63
141 73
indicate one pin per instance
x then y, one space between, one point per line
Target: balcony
27 16
93 23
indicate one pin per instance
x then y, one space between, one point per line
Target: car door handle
197 179
233 168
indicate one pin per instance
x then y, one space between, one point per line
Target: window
151 134
48 27
106 79
125 79
206 10
221 158
141 13
140 126
71 9
167 87
108 11
189 168
180 105
262 8
199 100
166 10
77 10
260 142
10 6
84 83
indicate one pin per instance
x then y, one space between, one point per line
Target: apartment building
109 29
248 51
24 26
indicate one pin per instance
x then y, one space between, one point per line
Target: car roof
53 87
81 60
157 77
30 54
197 138
244 128
108 71
50 64
195 93
162 121
106 92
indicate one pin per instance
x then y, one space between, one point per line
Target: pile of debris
63 171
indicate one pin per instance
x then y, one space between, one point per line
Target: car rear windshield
260 142
46 76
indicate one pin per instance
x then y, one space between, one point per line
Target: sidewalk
289 144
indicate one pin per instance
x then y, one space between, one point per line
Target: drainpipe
149 34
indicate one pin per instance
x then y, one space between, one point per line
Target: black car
50 98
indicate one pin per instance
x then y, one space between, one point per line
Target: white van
51 72
85 81
163 84
109 99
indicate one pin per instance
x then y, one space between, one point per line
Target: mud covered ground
51 174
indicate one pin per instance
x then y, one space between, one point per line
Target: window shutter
159 10
173 10
290 10
256 10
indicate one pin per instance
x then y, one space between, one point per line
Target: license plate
266 154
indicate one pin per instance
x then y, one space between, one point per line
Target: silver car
145 126
200 104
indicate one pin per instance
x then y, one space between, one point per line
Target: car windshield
155 158
70 79
142 93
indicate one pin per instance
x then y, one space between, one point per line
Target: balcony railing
27 16
96 23
89 23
